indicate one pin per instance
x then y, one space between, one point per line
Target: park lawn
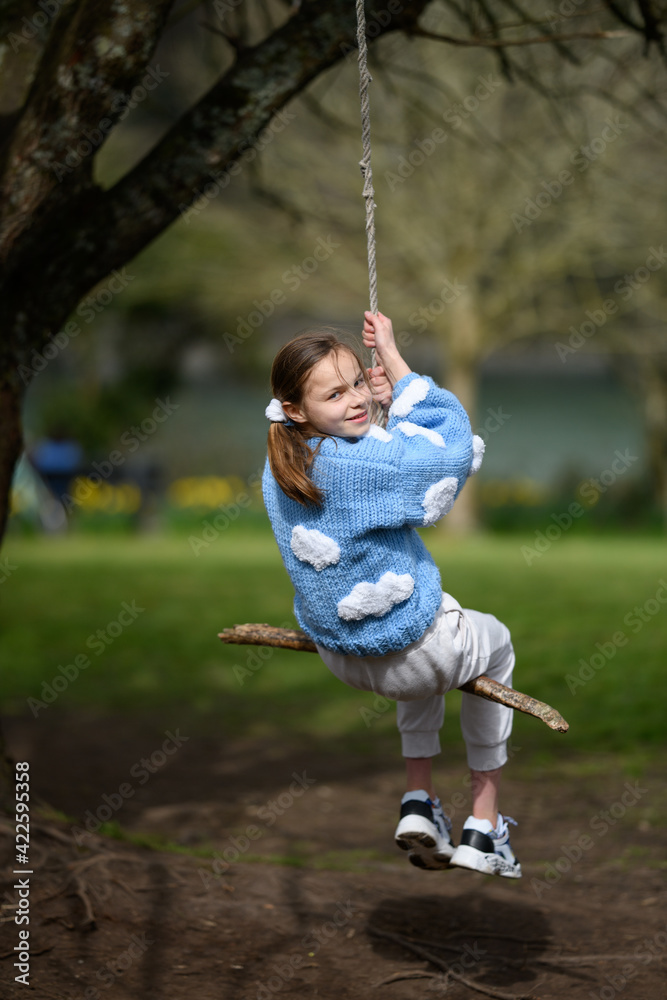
66 596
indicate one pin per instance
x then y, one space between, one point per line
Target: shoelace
501 829
440 814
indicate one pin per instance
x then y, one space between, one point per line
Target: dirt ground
348 917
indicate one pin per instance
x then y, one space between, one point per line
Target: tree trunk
7 787
11 438
655 421
11 442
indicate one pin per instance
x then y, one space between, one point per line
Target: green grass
575 595
303 854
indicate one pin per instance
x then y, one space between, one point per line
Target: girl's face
336 398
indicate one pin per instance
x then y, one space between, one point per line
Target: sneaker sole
428 861
413 831
416 838
487 864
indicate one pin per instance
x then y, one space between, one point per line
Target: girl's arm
439 450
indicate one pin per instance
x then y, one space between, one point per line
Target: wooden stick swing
483 687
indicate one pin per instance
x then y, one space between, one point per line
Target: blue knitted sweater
365 582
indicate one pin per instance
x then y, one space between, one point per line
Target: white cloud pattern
311 546
411 429
439 499
378 432
414 393
478 447
376 598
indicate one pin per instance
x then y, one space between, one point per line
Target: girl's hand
378 333
380 385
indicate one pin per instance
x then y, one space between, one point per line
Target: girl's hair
290 455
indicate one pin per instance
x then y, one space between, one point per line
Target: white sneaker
424 831
485 849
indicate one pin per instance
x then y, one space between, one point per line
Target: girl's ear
294 413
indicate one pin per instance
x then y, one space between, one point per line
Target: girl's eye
334 394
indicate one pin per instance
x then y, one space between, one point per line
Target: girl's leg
419 775
485 840
485 725
485 786
423 830
419 723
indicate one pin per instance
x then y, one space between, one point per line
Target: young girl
344 497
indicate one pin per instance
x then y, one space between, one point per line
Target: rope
365 162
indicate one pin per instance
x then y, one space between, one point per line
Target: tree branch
506 42
94 57
483 687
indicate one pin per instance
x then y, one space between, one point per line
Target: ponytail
291 458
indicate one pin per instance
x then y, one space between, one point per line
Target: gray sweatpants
459 645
